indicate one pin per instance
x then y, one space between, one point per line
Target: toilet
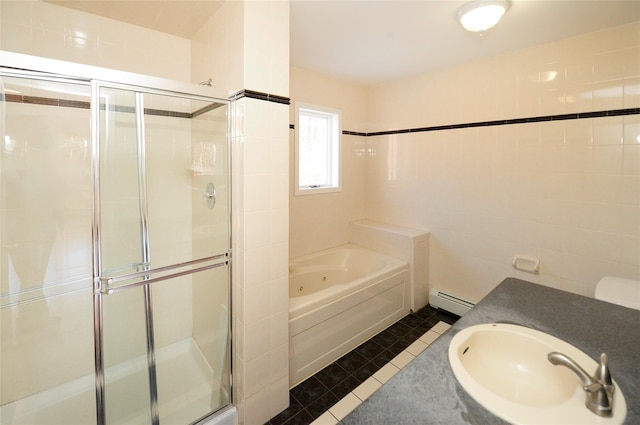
617 290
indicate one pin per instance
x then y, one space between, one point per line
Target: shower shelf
197 171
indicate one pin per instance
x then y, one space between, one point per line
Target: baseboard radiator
448 302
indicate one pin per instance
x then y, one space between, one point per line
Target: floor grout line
345 400
314 400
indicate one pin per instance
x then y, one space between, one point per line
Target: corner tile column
261 216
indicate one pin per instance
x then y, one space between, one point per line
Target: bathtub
339 298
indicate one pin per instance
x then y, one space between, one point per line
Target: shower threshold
181 400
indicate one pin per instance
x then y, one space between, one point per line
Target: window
317 149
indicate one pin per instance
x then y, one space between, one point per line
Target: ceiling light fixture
480 15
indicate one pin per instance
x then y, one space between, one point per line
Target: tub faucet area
599 387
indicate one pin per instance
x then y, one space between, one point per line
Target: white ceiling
374 41
378 41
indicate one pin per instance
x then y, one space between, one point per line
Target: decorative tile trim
260 96
345 132
206 109
354 133
562 117
35 100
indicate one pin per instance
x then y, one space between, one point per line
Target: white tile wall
44 29
321 221
246 45
566 192
217 48
266 62
261 261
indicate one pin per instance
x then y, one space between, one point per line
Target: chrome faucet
599 387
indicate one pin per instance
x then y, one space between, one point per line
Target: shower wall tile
14 36
260 155
46 248
216 49
16 13
43 29
60 325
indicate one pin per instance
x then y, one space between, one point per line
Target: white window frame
334 141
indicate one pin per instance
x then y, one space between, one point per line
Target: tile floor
329 395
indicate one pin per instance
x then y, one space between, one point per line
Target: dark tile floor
312 397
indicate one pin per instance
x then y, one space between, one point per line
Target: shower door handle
112 284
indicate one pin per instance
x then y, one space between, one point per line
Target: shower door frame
26 66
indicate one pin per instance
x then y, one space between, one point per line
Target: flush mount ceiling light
480 15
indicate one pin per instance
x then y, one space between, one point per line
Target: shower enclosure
115 249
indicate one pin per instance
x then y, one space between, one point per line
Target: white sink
505 368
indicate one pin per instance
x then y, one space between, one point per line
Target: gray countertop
427 392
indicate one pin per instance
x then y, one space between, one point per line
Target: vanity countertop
427 392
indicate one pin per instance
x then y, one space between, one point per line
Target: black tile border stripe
287 101
252 94
345 132
206 109
354 133
35 100
544 118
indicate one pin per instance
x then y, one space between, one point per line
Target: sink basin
504 367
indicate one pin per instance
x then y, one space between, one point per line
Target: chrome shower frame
26 66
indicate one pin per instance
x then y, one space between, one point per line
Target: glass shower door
46 284
163 255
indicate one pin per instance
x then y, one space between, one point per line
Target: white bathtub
339 298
